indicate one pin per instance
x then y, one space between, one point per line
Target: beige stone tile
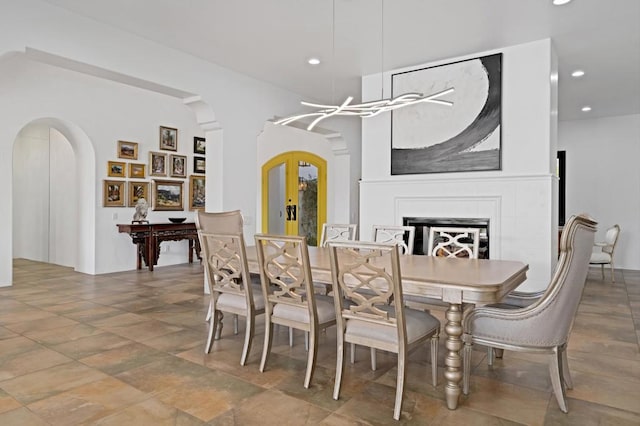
35 359
7 402
47 323
88 402
266 408
177 342
585 413
63 334
91 345
123 358
604 390
21 417
51 381
149 412
515 403
143 331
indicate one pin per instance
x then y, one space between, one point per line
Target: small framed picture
178 166
196 192
113 193
128 150
157 164
136 191
168 138
116 169
199 165
137 170
167 195
199 145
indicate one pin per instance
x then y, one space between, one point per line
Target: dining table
456 281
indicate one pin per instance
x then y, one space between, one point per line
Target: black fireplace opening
422 225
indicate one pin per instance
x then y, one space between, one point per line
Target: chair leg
555 370
339 366
613 278
490 356
266 349
213 324
235 323
434 360
466 367
209 311
402 369
290 337
566 374
602 270
353 353
374 360
248 338
499 352
311 357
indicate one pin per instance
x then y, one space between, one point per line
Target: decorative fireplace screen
423 224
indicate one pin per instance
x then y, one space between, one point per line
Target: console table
149 236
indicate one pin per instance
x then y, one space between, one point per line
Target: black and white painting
431 138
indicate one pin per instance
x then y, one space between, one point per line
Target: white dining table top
453 280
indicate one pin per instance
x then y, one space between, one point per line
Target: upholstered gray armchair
545 325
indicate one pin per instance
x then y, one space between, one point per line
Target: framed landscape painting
199 165
431 138
137 170
116 169
128 150
168 138
196 192
167 195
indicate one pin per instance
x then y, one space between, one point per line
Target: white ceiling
272 39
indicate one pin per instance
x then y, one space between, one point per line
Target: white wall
241 106
603 177
519 199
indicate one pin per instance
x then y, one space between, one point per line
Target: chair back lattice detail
338 232
610 239
404 236
284 263
225 262
454 242
366 285
220 222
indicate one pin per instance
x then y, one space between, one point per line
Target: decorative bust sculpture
141 211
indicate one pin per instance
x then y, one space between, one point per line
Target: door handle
291 212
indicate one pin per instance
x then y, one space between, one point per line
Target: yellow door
294 195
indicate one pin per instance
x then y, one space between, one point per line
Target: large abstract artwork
466 137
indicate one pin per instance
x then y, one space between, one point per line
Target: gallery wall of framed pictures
126 184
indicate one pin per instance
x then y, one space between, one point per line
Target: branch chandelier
367 109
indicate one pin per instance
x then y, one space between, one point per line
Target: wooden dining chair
453 242
288 291
230 286
368 318
337 232
404 236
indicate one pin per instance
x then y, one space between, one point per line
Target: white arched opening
53 194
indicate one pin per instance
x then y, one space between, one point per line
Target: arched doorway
53 205
294 195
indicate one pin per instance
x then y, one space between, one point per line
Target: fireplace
422 225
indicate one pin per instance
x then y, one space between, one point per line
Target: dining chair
287 288
368 318
453 242
230 286
605 249
544 326
337 232
403 235
219 222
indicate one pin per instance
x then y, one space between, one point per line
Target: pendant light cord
381 49
333 52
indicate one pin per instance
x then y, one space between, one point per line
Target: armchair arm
602 244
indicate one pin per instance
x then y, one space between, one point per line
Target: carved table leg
453 360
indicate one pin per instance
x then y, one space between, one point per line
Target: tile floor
127 349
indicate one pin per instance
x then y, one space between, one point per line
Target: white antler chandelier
367 109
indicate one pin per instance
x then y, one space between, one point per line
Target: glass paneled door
294 195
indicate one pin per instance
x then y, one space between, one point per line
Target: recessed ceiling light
560 2
577 73
586 108
314 61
